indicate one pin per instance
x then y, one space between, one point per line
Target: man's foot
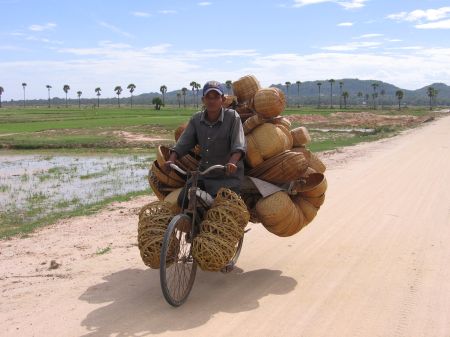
228 268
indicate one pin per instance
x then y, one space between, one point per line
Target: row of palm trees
343 96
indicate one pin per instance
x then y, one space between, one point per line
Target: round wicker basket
316 201
156 186
251 123
171 179
269 102
172 198
229 100
280 120
314 185
179 130
265 141
309 210
313 161
245 88
300 136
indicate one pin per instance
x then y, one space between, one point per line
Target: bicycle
177 265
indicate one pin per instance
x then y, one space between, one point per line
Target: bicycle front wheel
177 266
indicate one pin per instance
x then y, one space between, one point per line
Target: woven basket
313 186
179 130
316 201
156 186
279 215
171 179
251 123
281 121
211 251
245 88
283 168
265 141
313 161
269 102
309 210
153 221
300 136
229 100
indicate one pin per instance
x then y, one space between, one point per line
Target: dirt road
375 262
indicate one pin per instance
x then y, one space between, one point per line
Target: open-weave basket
171 179
153 221
245 88
265 141
211 251
300 136
285 167
269 102
279 215
313 161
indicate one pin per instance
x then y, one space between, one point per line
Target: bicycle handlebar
209 169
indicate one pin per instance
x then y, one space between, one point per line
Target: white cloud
205 3
40 28
345 24
115 29
352 4
419 15
141 14
167 11
443 24
368 36
352 46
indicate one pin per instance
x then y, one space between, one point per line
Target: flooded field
33 187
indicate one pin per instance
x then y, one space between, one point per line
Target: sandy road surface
375 262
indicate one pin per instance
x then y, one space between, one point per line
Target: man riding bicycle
219 133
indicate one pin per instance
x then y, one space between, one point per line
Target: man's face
213 101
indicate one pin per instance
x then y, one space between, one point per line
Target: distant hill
308 95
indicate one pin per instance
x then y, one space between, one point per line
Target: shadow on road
134 304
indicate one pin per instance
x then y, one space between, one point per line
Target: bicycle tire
238 251
177 266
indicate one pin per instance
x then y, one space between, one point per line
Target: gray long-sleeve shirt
217 141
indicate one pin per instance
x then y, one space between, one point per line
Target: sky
89 44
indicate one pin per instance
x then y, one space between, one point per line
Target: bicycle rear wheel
177 266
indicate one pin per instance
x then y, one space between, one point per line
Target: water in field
33 186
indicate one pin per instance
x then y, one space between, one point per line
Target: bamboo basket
269 102
309 210
314 185
313 161
229 100
316 201
300 136
281 121
171 179
251 123
179 130
156 186
265 141
172 198
245 88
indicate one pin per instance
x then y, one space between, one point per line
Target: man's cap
213 85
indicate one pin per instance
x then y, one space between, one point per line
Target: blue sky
89 44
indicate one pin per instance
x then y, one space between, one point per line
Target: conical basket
300 136
269 102
245 88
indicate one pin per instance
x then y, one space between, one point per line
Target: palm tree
341 84
163 90
345 96
66 89
131 87
431 93
24 99
197 88
319 84
375 94
1 92
399 94
193 84
298 93
184 92
118 90
360 94
179 99
382 93
98 91
79 99
331 81
288 84
48 86
228 84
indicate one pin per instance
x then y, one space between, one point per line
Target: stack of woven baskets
220 231
278 155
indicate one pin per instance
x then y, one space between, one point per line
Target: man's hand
230 168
